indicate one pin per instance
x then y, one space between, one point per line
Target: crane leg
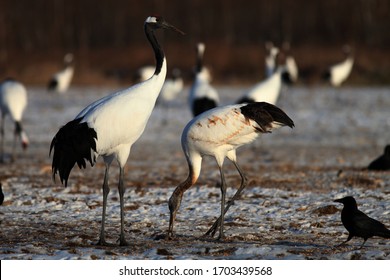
14 146
122 240
106 190
223 199
244 182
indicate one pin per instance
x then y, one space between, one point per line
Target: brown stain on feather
214 120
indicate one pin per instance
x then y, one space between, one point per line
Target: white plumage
104 116
172 87
339 72
60 81
202 95
13 102
144 73
109 127
265 91
218 133
290 67
270 59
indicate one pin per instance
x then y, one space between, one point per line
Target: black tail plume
264 114
75 142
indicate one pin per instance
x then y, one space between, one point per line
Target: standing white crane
270 59
265 91
339 72
13 102
202 96
60 81
290 68
218 133
111 125
172 87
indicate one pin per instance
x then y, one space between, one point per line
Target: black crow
382 162
359 224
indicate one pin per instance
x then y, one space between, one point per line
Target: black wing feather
264 114
72 144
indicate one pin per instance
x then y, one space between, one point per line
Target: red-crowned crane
267 90
109 127
13 102
290 68
218 133
202 96
60 81
270 59
339 72
172 87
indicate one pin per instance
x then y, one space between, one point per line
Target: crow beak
338 200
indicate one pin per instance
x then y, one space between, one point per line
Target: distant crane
13 102
339 72
109 126
172 87
144 73
203 96
60 81
267 90
270 59
218 133
290 68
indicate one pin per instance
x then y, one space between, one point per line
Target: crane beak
167 25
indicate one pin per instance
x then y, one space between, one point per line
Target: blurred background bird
60 81
172 87
338 73
203 96
13 102
381 163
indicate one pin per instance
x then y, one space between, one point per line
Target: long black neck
18 127
158 52
199 62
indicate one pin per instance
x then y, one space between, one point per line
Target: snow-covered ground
285 213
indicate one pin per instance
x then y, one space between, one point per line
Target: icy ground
285 213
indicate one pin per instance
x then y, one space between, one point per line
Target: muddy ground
285 213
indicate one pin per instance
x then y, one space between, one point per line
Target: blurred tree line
48 26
